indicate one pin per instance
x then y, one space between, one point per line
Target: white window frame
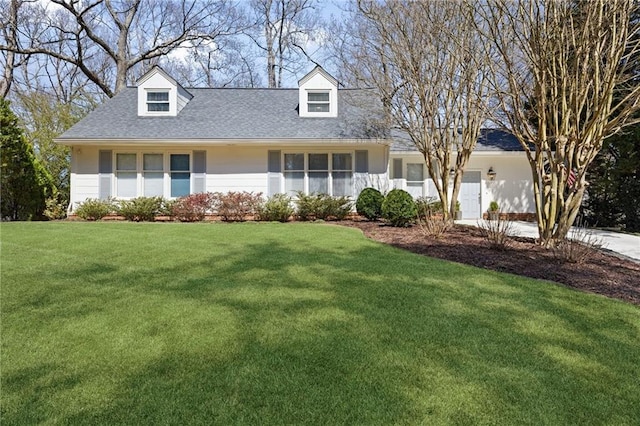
169 171
415 183
327 102
167 102
144 172
117 171
330 170
166 171
349 170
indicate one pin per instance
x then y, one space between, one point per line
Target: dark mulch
603 273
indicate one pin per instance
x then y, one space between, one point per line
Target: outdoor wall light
491 174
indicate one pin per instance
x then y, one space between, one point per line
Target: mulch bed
603 273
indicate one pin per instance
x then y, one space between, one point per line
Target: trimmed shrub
398 208
276 208
329 207
166 209
306 206
95 209
428 206
192 208
236 206
55 210
322 207
141 209
369 203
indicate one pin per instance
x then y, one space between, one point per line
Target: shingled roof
227 114
251 114
489 140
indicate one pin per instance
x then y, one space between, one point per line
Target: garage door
470 195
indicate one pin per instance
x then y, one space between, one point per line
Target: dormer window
158 101
318 101
318 95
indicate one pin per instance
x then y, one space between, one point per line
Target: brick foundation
525 217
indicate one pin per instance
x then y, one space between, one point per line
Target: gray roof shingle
489 140
270 114
228 114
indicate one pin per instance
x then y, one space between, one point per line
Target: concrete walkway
624 244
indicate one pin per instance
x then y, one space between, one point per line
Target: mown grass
124 323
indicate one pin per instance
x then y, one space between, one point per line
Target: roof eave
221 142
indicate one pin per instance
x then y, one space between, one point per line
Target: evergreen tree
24 183
613 198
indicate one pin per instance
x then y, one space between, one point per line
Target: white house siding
511 188
157 82
235 168
241 168
228 167
84 173
314 82
182 98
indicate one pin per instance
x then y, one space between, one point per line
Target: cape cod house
160 139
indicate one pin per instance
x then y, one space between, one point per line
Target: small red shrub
237 206
194 207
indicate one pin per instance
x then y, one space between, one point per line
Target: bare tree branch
563 84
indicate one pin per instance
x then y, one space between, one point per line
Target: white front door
470 195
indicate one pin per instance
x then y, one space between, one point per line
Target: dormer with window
160 95
318 94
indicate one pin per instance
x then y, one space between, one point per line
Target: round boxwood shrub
399 208
369 203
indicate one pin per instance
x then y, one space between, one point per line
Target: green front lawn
125 323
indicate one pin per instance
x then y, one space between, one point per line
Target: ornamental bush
55 210
336 208
369 203
428 206
322 206
141 209
192 208
276 208
237 206
95 209
398 208
306 206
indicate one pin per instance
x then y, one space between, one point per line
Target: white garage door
470 195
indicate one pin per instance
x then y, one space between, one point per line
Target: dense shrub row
322 207
398 207
230 207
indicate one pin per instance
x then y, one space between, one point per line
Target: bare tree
10 59
565 83
225 63
9 32
424 60
107 39
281 32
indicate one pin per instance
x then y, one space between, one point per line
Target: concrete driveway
624 244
